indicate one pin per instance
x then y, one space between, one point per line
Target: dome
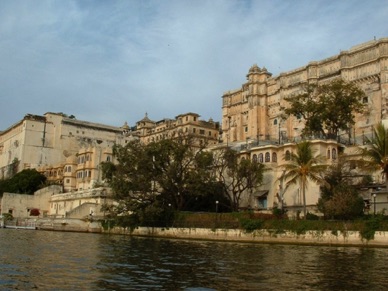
254 69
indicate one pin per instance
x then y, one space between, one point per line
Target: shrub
250 225
311 216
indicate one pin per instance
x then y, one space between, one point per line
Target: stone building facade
69 152
205 133
254 111
253 121
53 141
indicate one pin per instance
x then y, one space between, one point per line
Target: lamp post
374 204
217 206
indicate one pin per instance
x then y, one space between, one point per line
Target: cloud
113 61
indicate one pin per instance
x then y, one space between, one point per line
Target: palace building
254 123
254 111
204 133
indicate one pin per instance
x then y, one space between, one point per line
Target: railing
20 224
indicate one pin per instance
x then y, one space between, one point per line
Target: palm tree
376 153
302 167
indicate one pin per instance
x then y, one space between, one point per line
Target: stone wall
348 238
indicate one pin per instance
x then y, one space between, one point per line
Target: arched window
260 158
275 122
334 154
267 157
287 155
254 158
274 158
328 154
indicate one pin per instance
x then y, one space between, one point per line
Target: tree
327 108
302 167
340 198
341 101
130 177
148 180
237 176
307 105
27 181
182 171
376 153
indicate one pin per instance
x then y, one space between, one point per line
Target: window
328 154
334 154
201 131
108 158
365 100
274 157
246 128
254 158
275 122
288 155
262 202
67 181
260 158
267 157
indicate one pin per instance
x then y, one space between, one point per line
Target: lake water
45 260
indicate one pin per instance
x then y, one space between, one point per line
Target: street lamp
217 206
374 204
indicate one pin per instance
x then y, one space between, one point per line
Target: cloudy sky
113 61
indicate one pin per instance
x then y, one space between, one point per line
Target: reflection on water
79 261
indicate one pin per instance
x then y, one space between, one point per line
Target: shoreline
315 238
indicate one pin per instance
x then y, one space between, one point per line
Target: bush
7 216
371 226
311 216
250 225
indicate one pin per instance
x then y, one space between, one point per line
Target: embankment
348 238
334 238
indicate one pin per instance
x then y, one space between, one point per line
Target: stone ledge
348 238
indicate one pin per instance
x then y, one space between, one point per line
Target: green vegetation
376 155
340 199
25 182
327 108
250 222
150 182
303 166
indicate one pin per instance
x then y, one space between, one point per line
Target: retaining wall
348 238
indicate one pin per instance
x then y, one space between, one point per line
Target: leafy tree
237 175
340 199
25 182
130 177
307 105
327 108
376 153
302 167
151 180
341 100
182 171
345 203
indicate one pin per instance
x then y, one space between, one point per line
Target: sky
112 62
